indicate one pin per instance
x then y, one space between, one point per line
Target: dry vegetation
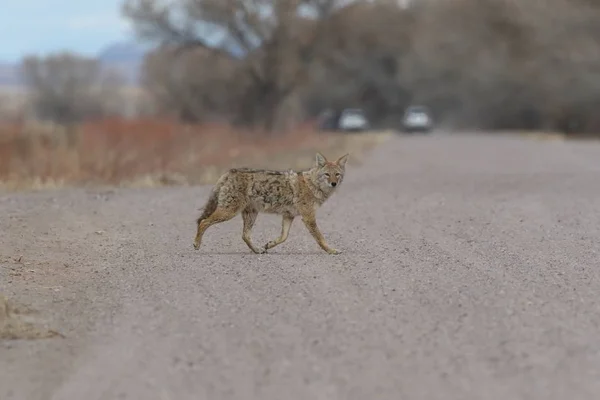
148 152
14 323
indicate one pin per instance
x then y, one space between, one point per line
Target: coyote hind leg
249 216
220 215
286 224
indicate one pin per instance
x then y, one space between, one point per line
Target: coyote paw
334 251
261 251
196 246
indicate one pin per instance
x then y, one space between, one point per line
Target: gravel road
469 271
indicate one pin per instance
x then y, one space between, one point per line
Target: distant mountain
122 52
124 57
9 75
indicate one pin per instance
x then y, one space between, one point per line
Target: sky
43 26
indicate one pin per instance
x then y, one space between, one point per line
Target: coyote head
329 175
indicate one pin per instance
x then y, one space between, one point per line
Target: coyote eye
327 174
337 175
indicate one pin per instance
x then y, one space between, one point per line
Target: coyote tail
212 202
210 207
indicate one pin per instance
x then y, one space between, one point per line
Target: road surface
469 271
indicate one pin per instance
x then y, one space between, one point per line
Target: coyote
286 193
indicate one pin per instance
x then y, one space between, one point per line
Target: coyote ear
320 159
342 160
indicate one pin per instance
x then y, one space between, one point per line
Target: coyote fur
286 193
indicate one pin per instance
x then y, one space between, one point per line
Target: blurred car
349 120
417 119
353 119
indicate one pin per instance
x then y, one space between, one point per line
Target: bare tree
278 41
492 64
68 88
361 65
506 64
200 86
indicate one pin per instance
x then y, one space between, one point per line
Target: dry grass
14 324
154 152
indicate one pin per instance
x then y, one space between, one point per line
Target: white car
353 119
417 119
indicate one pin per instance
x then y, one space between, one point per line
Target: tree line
487 64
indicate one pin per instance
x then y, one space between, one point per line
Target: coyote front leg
311 224
286 224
